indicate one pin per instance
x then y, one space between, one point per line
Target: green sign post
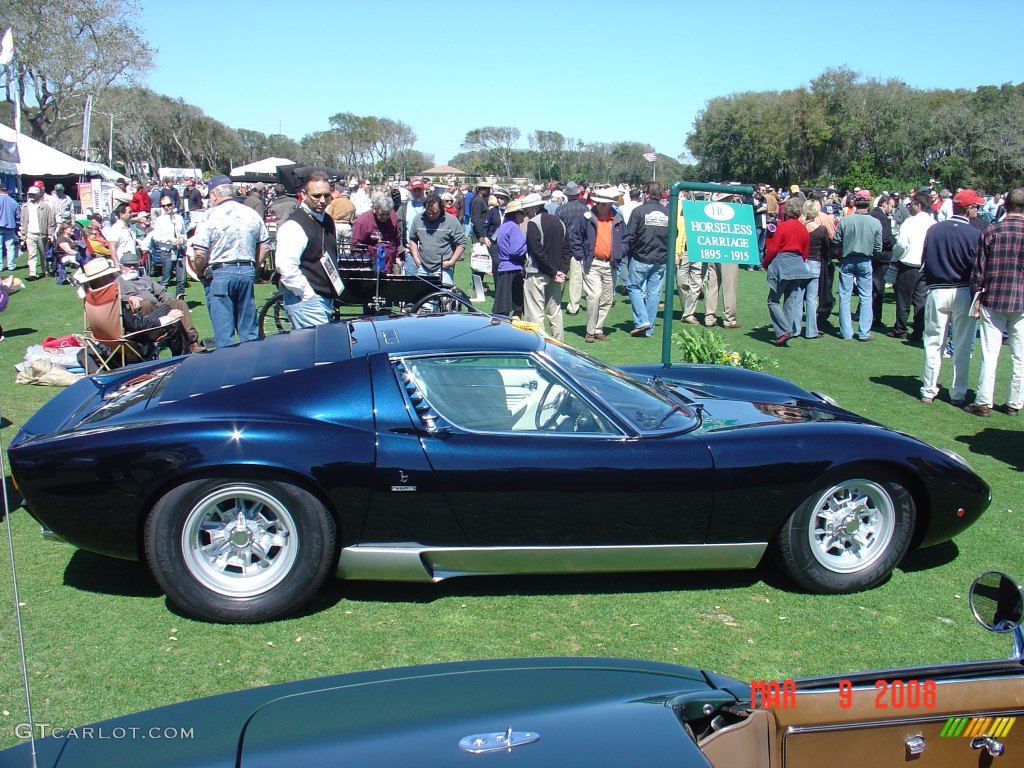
673 235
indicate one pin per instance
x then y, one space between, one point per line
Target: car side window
502 393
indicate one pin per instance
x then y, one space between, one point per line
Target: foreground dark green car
585 712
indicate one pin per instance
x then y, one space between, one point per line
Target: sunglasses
166 205
318 195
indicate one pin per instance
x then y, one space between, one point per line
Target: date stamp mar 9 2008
889 694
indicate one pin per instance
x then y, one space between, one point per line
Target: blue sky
600 70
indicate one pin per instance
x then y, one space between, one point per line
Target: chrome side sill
415 562
50 535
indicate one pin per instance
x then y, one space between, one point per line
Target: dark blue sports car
418 448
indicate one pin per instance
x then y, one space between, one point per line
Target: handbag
480 258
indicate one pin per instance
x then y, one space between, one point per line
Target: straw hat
94 269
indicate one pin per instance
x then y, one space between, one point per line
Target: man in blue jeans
860 238
230 244
10 220
646 247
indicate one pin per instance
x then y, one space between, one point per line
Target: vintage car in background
559 712
419 448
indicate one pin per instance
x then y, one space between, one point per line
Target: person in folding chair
119 333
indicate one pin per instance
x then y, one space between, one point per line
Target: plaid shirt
999 266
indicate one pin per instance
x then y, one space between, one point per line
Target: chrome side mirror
997 602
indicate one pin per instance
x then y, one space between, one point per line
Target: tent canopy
267 165
443 170
294 176
27 157
104 171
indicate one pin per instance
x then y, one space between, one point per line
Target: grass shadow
90 572
14 333
1001 444
13 497
908 385
930 557
544 585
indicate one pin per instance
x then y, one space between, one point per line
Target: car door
527 458
947 716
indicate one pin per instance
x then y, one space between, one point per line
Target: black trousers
826 298
910 292
878 270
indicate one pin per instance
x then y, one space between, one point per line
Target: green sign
722 232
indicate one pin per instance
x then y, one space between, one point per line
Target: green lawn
102 641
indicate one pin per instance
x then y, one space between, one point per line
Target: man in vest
307 257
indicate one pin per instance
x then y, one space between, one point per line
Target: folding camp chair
105 341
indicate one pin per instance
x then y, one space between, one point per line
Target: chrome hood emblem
481 743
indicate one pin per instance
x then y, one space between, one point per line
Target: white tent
28 157
104 171
269 165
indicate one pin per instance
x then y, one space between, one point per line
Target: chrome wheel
851 526
239 541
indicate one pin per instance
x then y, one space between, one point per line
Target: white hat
531 200
606 195
94 269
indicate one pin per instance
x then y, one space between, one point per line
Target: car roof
340 341
409 334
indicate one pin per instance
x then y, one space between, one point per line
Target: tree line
845 130
492 151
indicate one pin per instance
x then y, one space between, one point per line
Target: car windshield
649 411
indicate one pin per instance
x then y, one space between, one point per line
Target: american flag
651 157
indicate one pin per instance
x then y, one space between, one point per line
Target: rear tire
240 551
273 317
848 534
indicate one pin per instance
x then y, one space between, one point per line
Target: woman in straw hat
508 275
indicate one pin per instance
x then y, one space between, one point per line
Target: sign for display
720 232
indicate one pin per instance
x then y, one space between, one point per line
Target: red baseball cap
416 184
968 197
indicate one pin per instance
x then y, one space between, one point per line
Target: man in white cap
601 240
546 263
38 224
63 206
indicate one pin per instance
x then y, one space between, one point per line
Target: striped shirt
999 266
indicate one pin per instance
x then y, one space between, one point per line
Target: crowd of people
551 248
955 260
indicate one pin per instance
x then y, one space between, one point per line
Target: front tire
239 551
847 535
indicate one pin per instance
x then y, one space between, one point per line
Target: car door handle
442 432
993 746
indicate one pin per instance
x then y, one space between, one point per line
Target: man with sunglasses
168 239
307 256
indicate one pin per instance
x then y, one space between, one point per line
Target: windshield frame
666 395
